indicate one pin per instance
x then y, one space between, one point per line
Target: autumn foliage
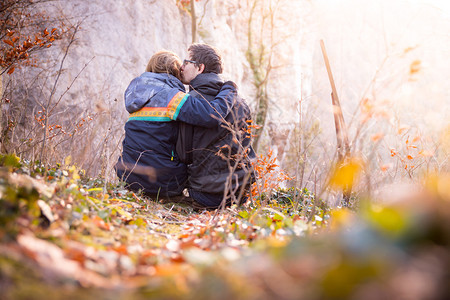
22 32
85 235
269 176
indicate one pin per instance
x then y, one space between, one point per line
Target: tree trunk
261 113
260 66
193 22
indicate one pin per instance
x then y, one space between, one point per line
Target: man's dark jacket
211 152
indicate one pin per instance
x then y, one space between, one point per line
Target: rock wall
371 49
115 40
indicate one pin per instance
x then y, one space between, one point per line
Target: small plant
21 34
269 177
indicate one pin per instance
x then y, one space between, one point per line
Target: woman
155 100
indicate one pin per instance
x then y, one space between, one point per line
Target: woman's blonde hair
165 62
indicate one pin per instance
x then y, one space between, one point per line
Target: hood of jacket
206 84
151 90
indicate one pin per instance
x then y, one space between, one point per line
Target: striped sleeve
176 103
200 112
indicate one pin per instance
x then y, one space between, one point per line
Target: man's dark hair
207 55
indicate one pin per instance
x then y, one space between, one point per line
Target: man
218 158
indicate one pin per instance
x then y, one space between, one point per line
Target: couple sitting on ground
176 140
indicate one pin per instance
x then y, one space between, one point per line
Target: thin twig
66 52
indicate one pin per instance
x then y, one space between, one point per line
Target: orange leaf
76 252
408 49
344 175
377 137
9 42
11 70
410 157
426 153
384 168
393 152
122 249
415 67
100 223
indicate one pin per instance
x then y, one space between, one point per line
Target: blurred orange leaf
408 49
415 67
426 153
340 218
386 167
122 249
377 137
345 174
100 223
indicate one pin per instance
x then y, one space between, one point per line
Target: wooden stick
341 130
343 146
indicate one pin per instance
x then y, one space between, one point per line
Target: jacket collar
206 84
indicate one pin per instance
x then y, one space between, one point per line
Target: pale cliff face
113 43
116 39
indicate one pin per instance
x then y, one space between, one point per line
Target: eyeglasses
186 61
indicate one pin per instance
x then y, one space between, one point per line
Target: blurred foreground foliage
66 236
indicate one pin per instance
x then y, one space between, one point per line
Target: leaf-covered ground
63 236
